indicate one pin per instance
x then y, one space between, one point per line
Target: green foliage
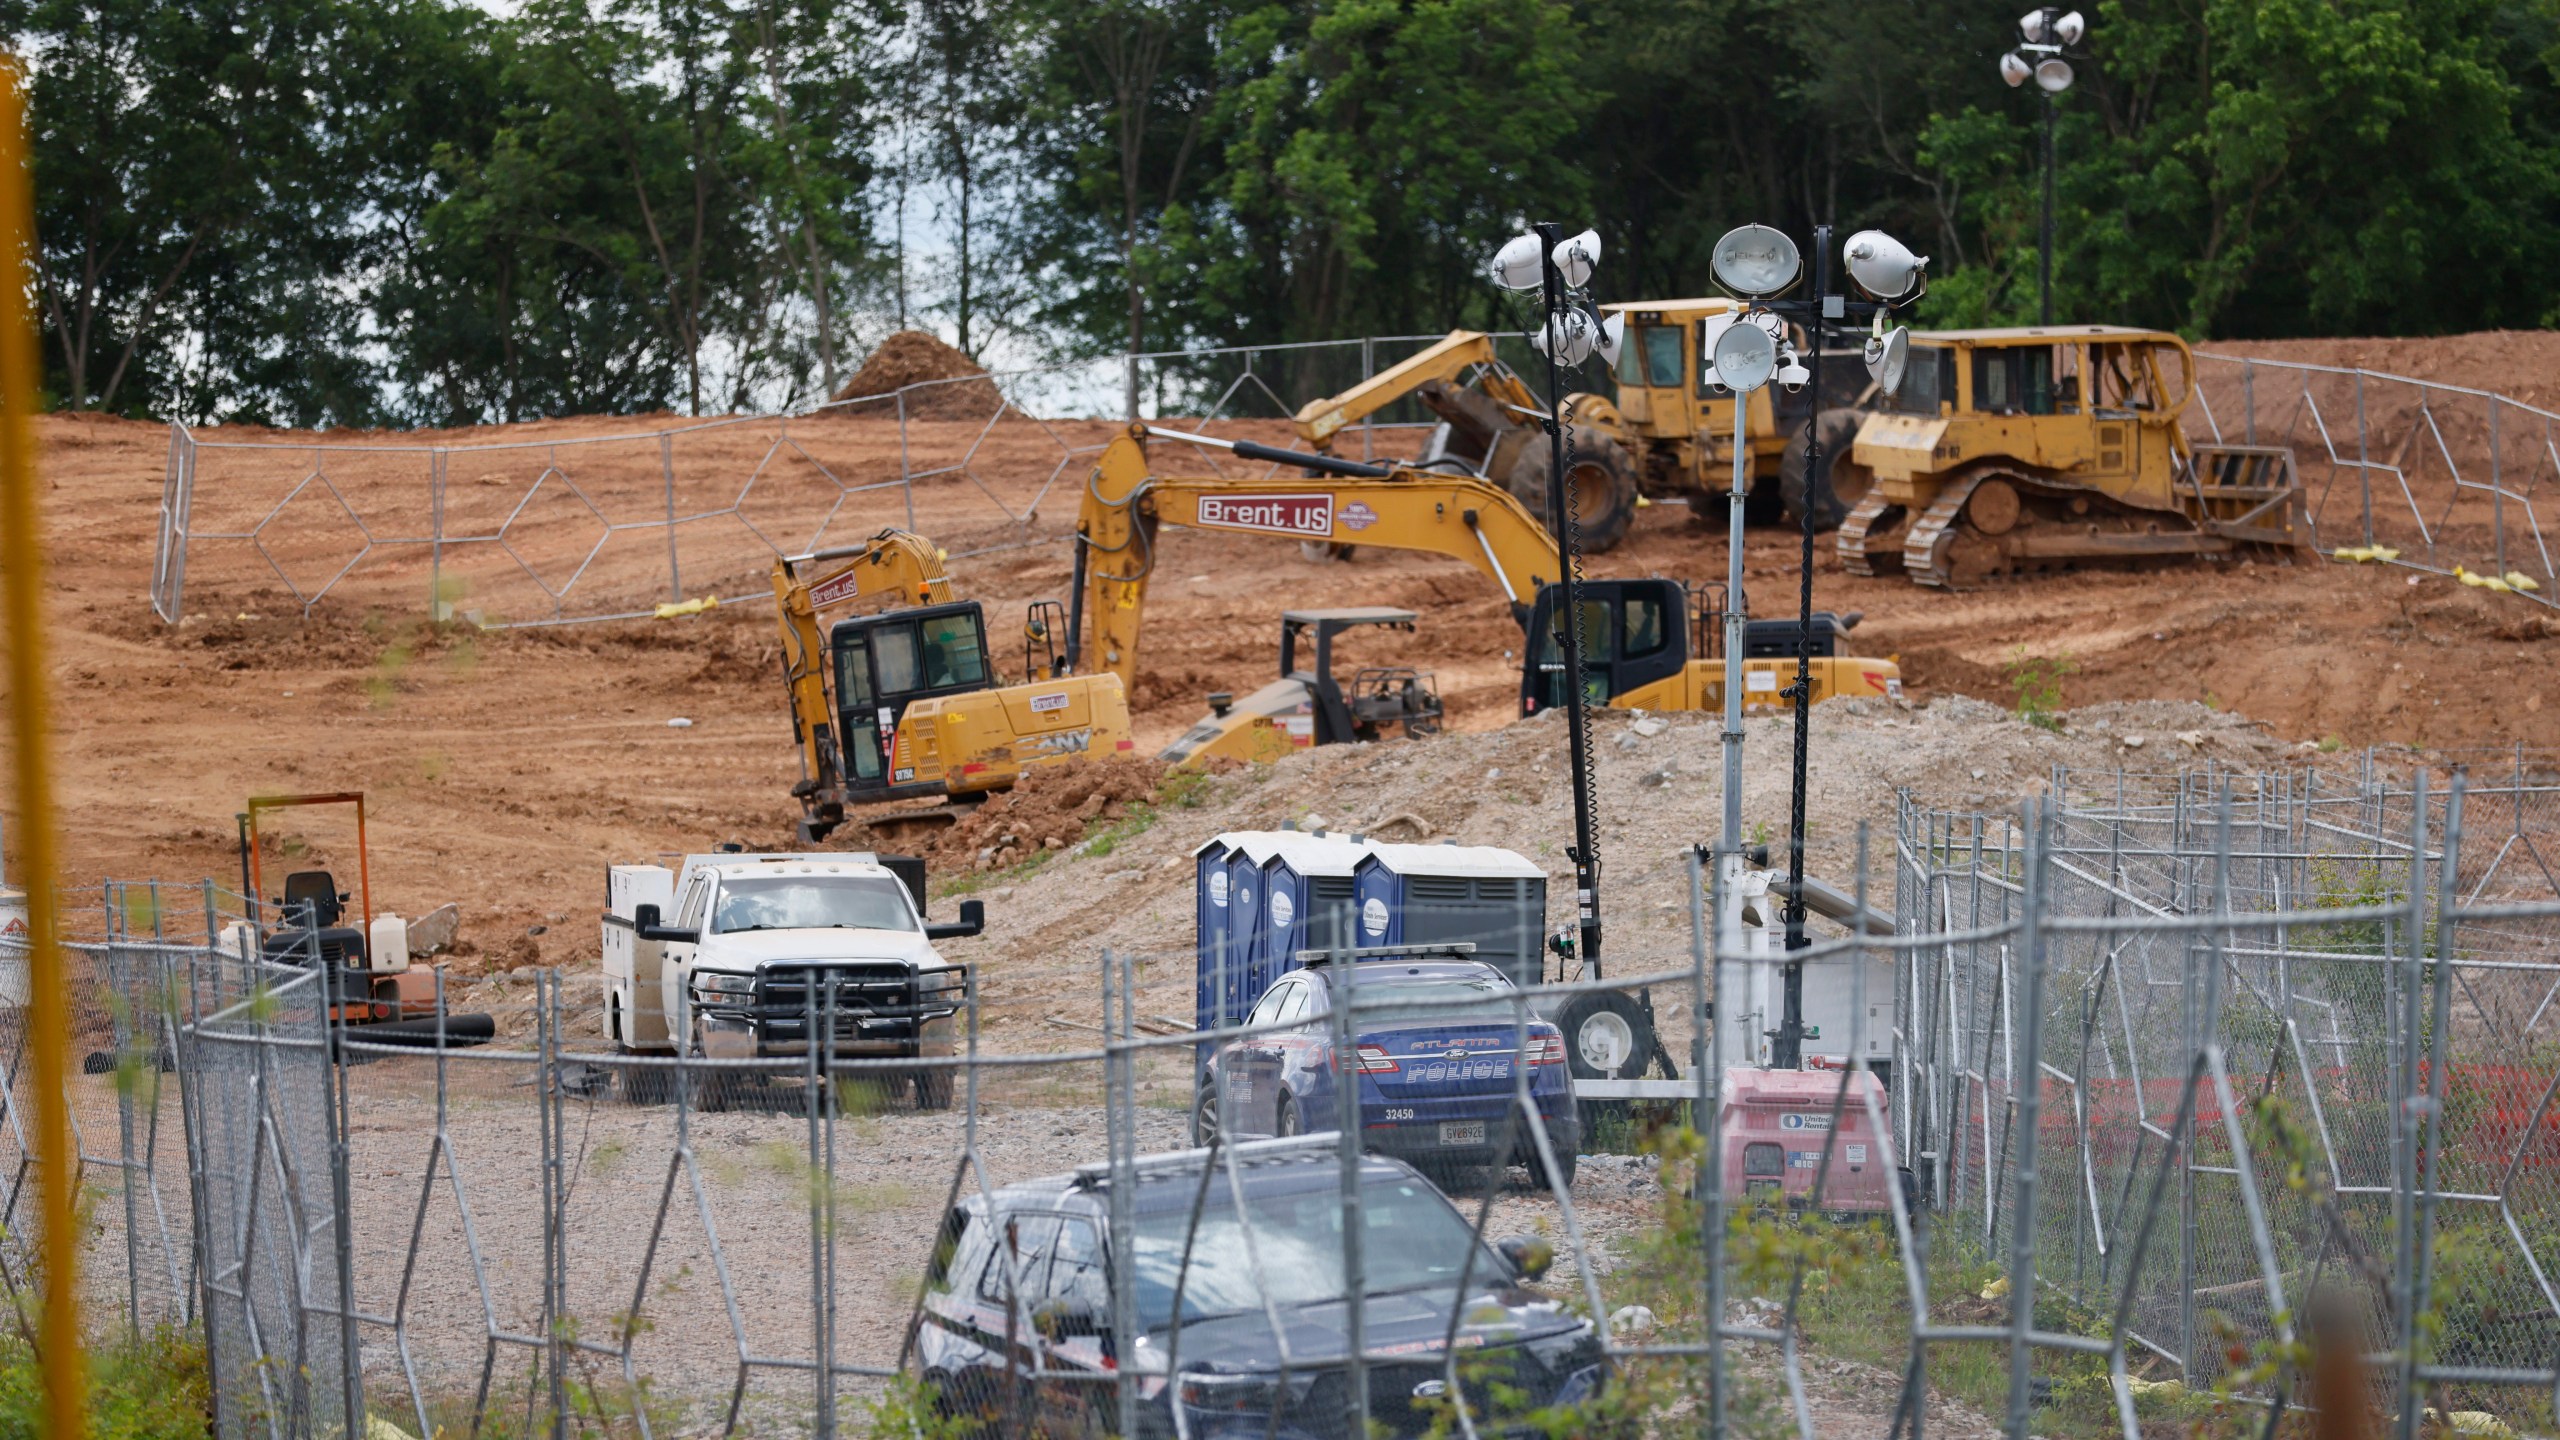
153 1389
2038 683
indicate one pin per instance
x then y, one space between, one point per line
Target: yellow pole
22 621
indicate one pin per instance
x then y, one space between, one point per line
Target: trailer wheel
1607 1035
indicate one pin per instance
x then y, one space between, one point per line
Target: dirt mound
914 358
1052 808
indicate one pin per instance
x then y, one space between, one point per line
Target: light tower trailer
761 945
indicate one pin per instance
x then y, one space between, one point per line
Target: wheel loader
2042 448
904 703
1665 434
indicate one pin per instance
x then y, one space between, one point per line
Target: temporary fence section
608 518
2439 476
2178 1062
2200 1056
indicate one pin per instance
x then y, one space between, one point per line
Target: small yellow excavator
904 703
1649 643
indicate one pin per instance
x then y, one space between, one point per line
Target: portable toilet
1495 899
1307 901
1211 909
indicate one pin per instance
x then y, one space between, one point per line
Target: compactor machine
2048 447
1311 706
904 703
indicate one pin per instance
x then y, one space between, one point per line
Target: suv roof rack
1450 950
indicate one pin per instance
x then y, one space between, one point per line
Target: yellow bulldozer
1664 434
2042 448
904 703
1649 642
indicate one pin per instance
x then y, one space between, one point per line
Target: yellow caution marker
2521 581
674 609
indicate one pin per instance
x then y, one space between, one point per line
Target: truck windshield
1412 1240
814 902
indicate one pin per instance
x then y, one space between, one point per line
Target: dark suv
1027 1272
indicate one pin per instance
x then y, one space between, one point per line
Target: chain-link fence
606 518
2180 1059
2440 476
2282 1038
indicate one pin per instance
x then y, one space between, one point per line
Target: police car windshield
1411 1240
1422 999
812 902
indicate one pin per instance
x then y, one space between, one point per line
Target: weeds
2038 683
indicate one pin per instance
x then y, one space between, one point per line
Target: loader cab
884 663
1634 633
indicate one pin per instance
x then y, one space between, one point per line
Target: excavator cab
1634 633
883 664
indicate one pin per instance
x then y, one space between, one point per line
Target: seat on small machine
312 909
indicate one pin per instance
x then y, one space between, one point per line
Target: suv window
1032 1237
1274 1000
1076 1267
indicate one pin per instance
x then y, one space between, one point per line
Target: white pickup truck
761 944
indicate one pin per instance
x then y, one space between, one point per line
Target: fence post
2497 488
437 609
667 477
1368 422
2364 469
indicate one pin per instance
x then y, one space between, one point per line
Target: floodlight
1520 263
1745 357
2015 69
1885 267
2070 28
1792 374
2032 25
1575 334
1613 335
1755 261
2053 76
1577 258
1887 357
1710 330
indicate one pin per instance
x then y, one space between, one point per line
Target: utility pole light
1751 348
1558 269
2048 31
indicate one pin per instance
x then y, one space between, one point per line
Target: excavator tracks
1866 538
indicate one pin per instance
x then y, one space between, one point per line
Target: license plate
1461 1132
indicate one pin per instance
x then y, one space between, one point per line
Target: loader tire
1842 485
1604 488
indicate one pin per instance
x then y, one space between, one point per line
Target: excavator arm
1125 502
892 564
1446 361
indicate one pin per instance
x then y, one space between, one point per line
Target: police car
1440 1042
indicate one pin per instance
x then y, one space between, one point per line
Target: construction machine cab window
1929 381
883 662
1630 637
1655 358
2013 380
834 902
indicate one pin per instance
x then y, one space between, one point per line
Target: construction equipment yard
504 763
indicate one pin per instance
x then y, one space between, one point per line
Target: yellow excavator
1648 643
904 703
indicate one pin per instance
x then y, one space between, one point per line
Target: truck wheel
1844 482
933 1089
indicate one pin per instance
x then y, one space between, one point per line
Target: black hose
1322 464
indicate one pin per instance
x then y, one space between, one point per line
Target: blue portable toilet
1495 899
1212 909
1307 901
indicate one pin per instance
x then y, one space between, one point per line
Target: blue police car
1435 1078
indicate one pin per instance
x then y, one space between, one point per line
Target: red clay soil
912 357
506 768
